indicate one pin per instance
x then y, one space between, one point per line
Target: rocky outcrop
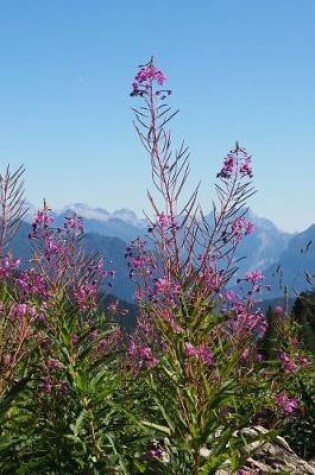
273 457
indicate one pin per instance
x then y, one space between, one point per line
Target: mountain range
287 260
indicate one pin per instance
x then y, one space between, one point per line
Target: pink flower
47 386
245 354
42 218
163 285
64 388
241 227
146 357
287 404
165 220
113 307
167 287
206 355
145 77
8 265
32 283
53 247
201 351
236 161
302 361
292 365
156 452
143 353
151 362
190 350
246 167
74 223
132 348
246 322
85 296
278 310
259 357
286 362
213 279
254 276
228 167
20 310
75 339
160 77
53 363
229 295
244 471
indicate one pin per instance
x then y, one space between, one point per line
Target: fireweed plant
58 373
188 391
195 347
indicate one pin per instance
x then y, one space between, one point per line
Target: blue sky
240 70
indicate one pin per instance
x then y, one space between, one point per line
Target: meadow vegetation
78 396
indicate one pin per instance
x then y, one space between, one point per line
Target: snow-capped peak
99 214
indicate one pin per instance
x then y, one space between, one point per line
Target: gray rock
274 457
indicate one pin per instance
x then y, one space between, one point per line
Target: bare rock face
274 457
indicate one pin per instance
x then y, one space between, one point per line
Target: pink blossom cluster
156 452
8 265
145 77
53 364
50 382
246 321
288 405
246 167
237 161
85 296
250 471
254 276
291 364
167 288
42 218
228 166
114 308
241 227
110 343
213 279
48 241
141 262
47 385
202 352
247 353
53 247
32 283
143 354
59 256
74 223
168 316
165 220
22 310
97 269
75 339
278 310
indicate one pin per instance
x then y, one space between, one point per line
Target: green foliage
72 425
304 313
299 430
186 395
292 333
269 343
